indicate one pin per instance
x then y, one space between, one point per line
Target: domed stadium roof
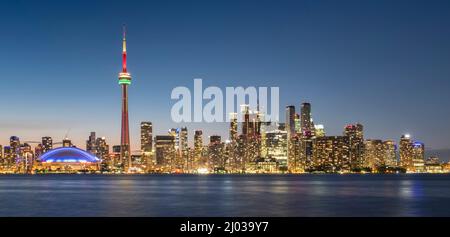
68 155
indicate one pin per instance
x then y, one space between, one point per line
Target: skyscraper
233 127
102 150
290 120
215 152
373 154
390 153
418 158
165 152
277 146
47 144
198 148
331 153
124 82
184 148
406 153
297 123
146 137
14 143
91 144
355 133
305 119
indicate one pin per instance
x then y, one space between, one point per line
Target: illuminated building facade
306 123
67 160
216 161
184 152
418 152
277 146
412 154
47 144
91 145
374 155
117 161
355 134
319 130
67 142
298 122
233 127
390 153
307 136
198 149
295 163
14 144
332 154
8 156
165 152
146 137
433 165
290 121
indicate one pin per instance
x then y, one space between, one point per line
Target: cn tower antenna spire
124 32
124 52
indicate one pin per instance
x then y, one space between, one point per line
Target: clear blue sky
385 64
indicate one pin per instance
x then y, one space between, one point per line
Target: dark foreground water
159 195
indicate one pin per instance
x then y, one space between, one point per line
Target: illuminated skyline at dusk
379 63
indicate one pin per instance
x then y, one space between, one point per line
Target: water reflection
307 195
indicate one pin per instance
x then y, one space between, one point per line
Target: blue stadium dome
68 155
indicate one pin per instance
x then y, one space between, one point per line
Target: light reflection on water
159 195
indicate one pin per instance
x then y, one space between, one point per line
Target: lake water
233 195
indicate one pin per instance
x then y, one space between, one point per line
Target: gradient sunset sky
383 63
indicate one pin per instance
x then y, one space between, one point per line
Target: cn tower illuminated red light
124 82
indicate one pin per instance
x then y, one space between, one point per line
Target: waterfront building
38 150
91 146
165 153
117 161
355 134
67 160
146 137
184 152
390 153
295 163
374 154
418 152
290 120
433 165
307 136
216 161
412 154
199 162
332 154
266 165
233 127
8 156
14 144
277 146
47 144
306 123
24 163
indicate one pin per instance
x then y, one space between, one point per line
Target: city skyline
68 105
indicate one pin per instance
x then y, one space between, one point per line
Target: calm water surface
184 195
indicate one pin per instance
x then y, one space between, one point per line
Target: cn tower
124 82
